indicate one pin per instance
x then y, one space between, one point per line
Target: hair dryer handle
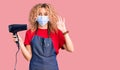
17 41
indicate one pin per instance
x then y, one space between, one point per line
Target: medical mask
42 20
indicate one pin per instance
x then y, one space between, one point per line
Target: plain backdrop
94 27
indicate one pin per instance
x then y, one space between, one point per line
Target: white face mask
42 20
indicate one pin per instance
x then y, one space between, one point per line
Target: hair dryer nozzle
14 28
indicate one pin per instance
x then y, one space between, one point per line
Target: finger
58 16
60 19
63 20
14 36
58 22
15 39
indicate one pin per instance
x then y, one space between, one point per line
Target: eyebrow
43 13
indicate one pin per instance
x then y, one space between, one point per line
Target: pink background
94 27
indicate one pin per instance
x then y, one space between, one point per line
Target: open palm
61 24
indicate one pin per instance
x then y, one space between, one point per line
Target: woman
47 34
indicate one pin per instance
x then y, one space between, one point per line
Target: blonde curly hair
51 14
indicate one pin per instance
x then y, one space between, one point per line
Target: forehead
42 10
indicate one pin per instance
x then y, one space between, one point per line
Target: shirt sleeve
27 38
61 39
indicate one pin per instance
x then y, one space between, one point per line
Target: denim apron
43 54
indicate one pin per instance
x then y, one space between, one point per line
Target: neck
43 27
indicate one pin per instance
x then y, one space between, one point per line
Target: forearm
68 43
25 52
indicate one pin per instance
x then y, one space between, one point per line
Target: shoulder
60 32
57 34
29 32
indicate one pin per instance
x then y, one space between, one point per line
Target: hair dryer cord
17 42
